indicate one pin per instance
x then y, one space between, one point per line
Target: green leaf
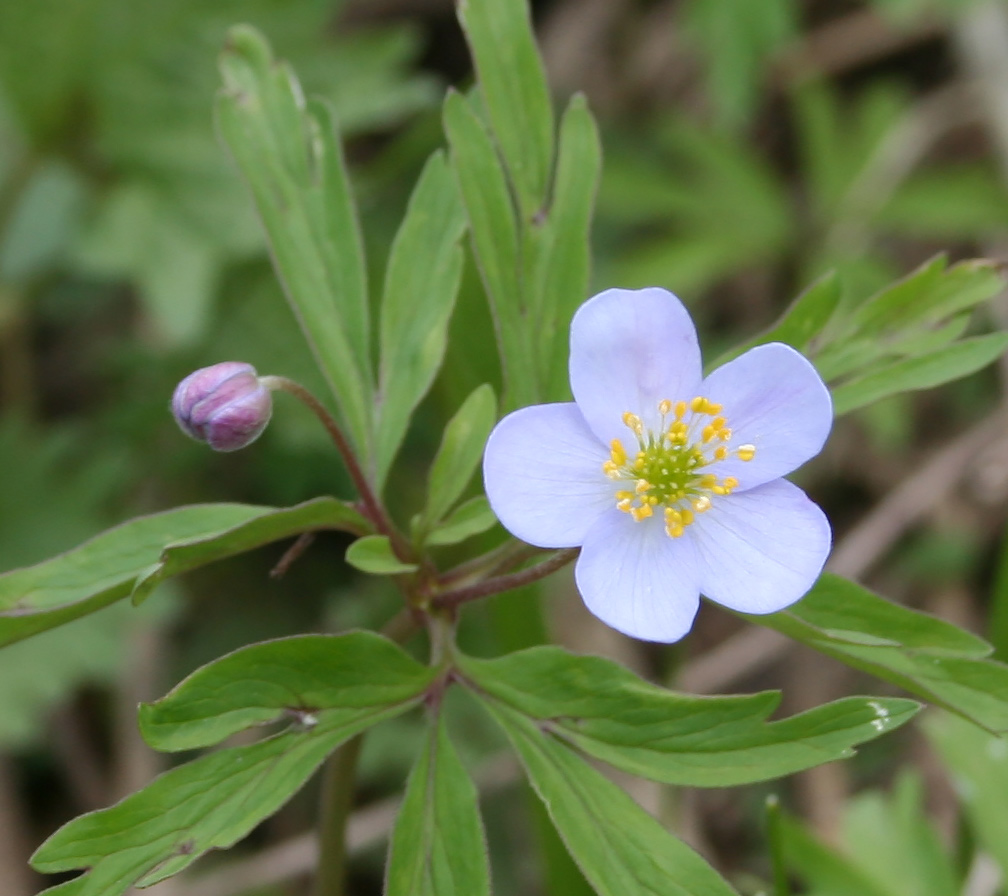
438 847
373 554
469 519
801 323
209 803
619 848
349 677
494 232
287 152
181 556
562 251
930 658
421 283
513 84
979 766
608 712
943 365
103 569
459 454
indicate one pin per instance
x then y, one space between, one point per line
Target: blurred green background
750 146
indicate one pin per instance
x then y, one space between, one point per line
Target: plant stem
505 583
502 558
337 800
373 508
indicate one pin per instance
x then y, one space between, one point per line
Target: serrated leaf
103 569
373 554
459 454
943 365
346 677
287 152
930 658
619 848
421 282
562 252
513 85
469 519
438 847
608 712
494 232
181 556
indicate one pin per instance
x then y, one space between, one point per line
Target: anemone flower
669 481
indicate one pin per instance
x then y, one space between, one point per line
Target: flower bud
225 405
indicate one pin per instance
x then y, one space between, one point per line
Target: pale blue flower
669 481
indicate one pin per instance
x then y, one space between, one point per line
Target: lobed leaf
494 232
950 362
930 658
181 556
286 150
513 85
345 677
469 519
608 712
105 568
619 848
561 243
373 554
438 846
421 282
459 454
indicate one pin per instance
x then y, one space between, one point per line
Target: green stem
781 887
337 801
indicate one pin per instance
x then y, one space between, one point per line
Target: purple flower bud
225 405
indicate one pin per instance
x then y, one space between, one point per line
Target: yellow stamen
664 406
730 482
746 452
634 422
698 404
720 453
625 504
641 513
713 408
701 504
642 486
687 516
611 469
725 434
680 410
617 452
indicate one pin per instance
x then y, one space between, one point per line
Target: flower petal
637 580
629 350
542 469
760 550
773 398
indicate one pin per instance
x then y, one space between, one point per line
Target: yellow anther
746 452
680 410
720 453
719 490
611 470
617 452
652 500
638 463
687 516
730 482
698 404
674 530
624 496
672 515
708 480
713 408
725 434
642 486
664 406
701 504
707 433
625 504
634 422
718 422
641 513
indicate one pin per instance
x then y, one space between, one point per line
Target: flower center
668 469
